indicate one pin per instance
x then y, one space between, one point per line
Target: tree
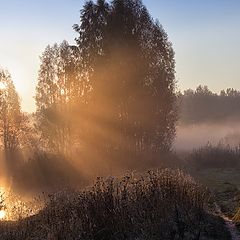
131 69
12 121
58 90
114 92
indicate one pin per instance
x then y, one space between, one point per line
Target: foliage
57 90
215 156
112 95
10 118
130 65
17 207
161 204
14 124
204 106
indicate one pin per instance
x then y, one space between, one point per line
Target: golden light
14 206
2 214
2 201
2 86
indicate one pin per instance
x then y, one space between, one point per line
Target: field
224 185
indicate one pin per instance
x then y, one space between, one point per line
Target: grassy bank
160 204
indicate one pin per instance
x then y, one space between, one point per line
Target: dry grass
215 156
161 204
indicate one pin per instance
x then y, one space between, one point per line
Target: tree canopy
13 123
118 82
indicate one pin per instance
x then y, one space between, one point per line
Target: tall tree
131 67
11 118
57 91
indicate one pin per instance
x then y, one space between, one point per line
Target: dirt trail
232 228
229 223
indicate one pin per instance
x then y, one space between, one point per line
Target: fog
190 136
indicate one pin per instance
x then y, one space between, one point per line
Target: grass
160 204
225 186
218 167
219 179
215 156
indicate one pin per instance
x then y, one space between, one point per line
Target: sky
205 36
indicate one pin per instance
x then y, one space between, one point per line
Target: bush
219 156
161 204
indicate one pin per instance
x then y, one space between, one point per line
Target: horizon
198 31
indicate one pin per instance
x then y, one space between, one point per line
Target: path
229 223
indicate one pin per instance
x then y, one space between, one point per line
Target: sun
2 86
2 203
2 214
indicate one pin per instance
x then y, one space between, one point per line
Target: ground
225 186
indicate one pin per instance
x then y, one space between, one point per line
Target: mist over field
207 117
192 136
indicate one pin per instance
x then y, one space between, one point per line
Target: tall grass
160 204
215 156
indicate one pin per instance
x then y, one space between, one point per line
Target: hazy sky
205 36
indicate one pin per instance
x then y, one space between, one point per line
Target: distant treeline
202 105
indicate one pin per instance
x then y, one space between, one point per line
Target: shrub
160 204
218 156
